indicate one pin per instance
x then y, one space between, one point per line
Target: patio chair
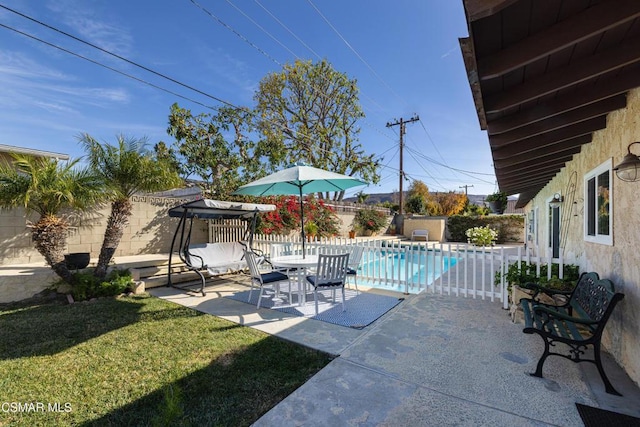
354 264
264 278
331 273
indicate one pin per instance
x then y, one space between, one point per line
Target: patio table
299 263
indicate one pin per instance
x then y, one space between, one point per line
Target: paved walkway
433 360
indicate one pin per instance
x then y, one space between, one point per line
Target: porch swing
214 258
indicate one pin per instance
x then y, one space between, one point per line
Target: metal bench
421 234
578 323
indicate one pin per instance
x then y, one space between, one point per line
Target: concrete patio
432 360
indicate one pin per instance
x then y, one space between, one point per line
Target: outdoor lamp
556 201
629 169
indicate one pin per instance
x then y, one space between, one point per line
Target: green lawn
140 361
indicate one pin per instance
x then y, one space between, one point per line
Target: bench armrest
549 311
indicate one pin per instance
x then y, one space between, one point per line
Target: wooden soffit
544 75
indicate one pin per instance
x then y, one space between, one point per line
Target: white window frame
604 239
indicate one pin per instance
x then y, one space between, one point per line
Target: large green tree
125 168
310 112
52 189
215 147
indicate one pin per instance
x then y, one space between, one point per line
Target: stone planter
138 287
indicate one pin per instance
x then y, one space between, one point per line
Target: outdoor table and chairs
296 264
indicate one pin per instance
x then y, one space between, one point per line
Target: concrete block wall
150 231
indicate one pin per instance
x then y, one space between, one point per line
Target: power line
106 66
108 53
314 88
356 53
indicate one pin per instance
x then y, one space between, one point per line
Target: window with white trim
598 205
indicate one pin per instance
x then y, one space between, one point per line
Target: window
598 205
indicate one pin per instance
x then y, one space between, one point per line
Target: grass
141 361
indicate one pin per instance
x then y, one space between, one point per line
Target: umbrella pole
304 252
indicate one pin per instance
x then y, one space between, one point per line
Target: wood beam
577 72
592 21
604 88
540 162
478 9
537 171
549 138
528 180
513 188
514 154
469 58
530 168
561 120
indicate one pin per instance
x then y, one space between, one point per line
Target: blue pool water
393 270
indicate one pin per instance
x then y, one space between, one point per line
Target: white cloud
90 22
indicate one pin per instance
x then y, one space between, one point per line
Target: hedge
509 227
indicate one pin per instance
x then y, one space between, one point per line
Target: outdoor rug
596 417
362 308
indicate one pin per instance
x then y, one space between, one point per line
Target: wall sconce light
556 201
629 169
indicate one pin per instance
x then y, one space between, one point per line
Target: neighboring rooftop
31 151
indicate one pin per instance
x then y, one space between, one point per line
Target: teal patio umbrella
297 180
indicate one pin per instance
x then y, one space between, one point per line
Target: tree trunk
118 220
50 238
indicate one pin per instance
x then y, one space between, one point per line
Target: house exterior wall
617 262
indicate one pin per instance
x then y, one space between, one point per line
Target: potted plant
352 234
497 202
310 229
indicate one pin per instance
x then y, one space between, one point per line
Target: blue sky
404 55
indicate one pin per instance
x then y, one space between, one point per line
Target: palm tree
50 189
126 168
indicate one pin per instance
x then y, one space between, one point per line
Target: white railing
443 268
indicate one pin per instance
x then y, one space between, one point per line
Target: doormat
362 308
596 417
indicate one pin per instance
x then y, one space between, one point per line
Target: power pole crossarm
402 123
465 188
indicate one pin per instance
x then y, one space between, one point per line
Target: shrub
84 285
481 236
523 273
370 220
286 218
509 227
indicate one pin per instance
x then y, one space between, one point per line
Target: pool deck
433 360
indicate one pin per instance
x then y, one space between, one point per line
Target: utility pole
402 123
465 188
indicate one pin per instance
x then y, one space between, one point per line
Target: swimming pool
409 271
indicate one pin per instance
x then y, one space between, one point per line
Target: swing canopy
217 209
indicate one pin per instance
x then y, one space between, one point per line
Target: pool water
390 270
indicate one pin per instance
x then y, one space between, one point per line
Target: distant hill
391 197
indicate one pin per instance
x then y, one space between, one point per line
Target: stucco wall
618 262
435 225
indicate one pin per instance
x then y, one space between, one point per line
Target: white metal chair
354 264
331 273
264 278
